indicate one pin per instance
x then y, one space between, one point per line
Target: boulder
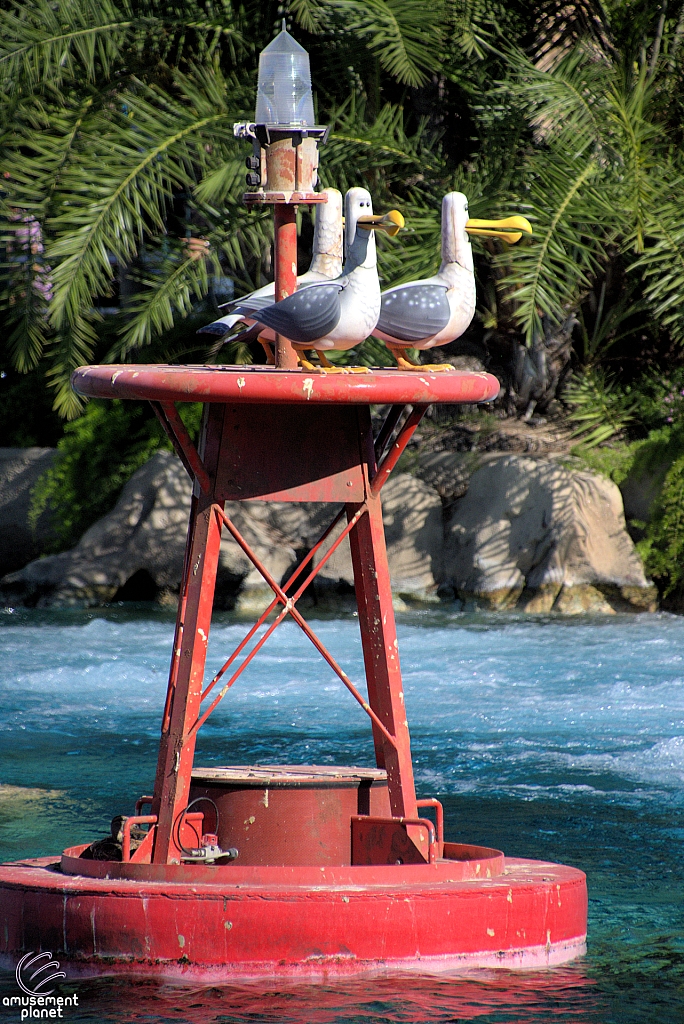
19 472
137 548
136 551
527 533
412 515
534 535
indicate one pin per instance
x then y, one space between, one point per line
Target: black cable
181 816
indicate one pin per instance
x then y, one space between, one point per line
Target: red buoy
244 871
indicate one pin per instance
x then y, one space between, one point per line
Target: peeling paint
240 382
181 941
228 925
308 387
509 898
265 798
490 932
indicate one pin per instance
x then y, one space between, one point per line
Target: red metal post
177 746
381 655
285 236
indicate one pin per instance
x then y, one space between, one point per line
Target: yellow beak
511 229
391 222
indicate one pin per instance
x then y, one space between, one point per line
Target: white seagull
437 310
326 264
341 313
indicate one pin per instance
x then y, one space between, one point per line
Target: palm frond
46 42
166 295
404 36
119 189
548 275
310 14
599 407
475 25
662 261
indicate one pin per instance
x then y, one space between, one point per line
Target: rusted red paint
294 817
285 241
268 385
307 922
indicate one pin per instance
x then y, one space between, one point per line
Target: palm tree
122 174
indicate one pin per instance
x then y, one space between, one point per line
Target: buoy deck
352 920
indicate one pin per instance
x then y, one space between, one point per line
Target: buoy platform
310 871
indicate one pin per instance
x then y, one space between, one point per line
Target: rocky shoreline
489 529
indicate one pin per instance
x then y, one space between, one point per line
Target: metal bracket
173 425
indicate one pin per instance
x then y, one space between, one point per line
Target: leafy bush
661 452
98 454
663 546
600 408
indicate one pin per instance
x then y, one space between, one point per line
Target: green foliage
99 452
599 407
26 414
663 546
116 136
613 461
657 463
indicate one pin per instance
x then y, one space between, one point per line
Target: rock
532 534
527 533
136 551
412 514
19 472
137 548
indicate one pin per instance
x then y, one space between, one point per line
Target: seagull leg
331 368
305 363
268 349
404 363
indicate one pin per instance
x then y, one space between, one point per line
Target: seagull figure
436 310
326 264
341 313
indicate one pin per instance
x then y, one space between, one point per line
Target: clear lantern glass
284 91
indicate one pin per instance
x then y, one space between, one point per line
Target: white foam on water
532 707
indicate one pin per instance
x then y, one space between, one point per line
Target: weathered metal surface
291 453
285 247
385 840
186 675
290 818
311 922
266 385
300 196
460 862
316 888
291 775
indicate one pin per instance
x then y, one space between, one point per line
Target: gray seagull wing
250 303
413 312
305 316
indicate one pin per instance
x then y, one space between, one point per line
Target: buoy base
345 921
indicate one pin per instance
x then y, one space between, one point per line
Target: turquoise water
553 739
